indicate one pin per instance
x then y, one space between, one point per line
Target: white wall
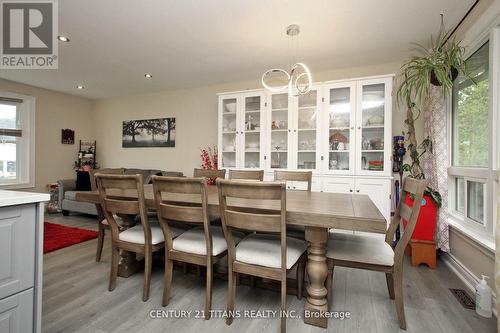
196 121
54 111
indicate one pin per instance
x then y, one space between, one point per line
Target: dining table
317 212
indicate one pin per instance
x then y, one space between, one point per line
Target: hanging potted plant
439 66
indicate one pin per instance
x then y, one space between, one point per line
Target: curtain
435 164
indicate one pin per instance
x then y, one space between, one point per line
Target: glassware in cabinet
279 131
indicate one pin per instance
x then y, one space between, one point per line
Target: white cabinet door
279 125
338 137
379 191
16 313
229 129
17 241
373 127
338 184
252 121
306 130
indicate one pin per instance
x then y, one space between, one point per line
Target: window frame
25 152
483 233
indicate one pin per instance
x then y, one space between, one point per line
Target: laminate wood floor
76 299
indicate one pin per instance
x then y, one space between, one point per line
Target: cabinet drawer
16 313
338 185
17 249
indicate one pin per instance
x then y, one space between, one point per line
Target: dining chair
266 253
213 174
102 223
246 174
203 245
294 176
375 254
144 238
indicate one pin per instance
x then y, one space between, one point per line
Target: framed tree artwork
148 133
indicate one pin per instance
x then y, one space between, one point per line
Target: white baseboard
466 276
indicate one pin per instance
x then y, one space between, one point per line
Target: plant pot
453 76
427 218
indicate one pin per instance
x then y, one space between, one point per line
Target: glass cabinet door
307 114
252 113
341 117
371 126
279 131
229 132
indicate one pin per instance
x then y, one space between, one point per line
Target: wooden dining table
316 211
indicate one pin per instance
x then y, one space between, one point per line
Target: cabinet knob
295 131
289 130
350 190
359 127
352 127
357 191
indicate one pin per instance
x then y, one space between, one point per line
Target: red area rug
58 236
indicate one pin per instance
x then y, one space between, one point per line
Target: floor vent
464 299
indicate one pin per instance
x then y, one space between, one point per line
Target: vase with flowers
210 161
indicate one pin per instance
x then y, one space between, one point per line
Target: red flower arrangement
210 161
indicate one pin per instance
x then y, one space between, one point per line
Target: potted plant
438 65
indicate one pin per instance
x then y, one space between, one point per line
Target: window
16 141
471 172
471 133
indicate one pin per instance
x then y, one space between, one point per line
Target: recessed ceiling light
80 87
63 38
148 75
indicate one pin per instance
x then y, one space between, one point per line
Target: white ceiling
187 43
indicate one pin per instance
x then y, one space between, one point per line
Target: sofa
68 190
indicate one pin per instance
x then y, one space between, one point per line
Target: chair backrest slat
251 190
300 176
128 182
107 171
253 222
405 211
115 206
209 173
411 185
181 213
246 174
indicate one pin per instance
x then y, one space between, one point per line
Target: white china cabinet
340 130
241 124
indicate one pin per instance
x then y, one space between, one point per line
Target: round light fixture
148 76
63 38
80 87
297 79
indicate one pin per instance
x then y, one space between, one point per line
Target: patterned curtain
435 164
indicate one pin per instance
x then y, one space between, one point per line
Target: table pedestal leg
316 304
128 263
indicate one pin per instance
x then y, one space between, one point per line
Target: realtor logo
28 34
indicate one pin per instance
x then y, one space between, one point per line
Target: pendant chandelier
297 79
